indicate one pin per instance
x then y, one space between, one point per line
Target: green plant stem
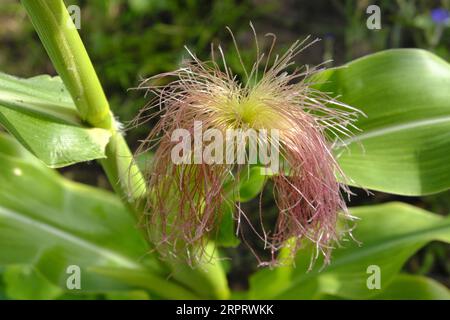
70 59
123 174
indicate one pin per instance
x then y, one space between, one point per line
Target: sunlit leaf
412 287
389 235
404 143
51 223
40 113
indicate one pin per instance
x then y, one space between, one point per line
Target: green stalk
66 50
70 59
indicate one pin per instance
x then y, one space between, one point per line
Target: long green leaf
404 143
51 223
40 113
41 94
411 287
389 235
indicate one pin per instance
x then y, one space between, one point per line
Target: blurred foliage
132 39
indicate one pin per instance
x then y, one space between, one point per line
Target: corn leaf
404 143
389 235
40 113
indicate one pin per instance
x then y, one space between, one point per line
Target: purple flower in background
440 15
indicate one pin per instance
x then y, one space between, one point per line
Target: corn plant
395 105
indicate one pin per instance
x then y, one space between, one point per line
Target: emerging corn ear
186 196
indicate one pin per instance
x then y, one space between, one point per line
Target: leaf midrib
391 129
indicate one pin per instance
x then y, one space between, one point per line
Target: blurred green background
129 40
